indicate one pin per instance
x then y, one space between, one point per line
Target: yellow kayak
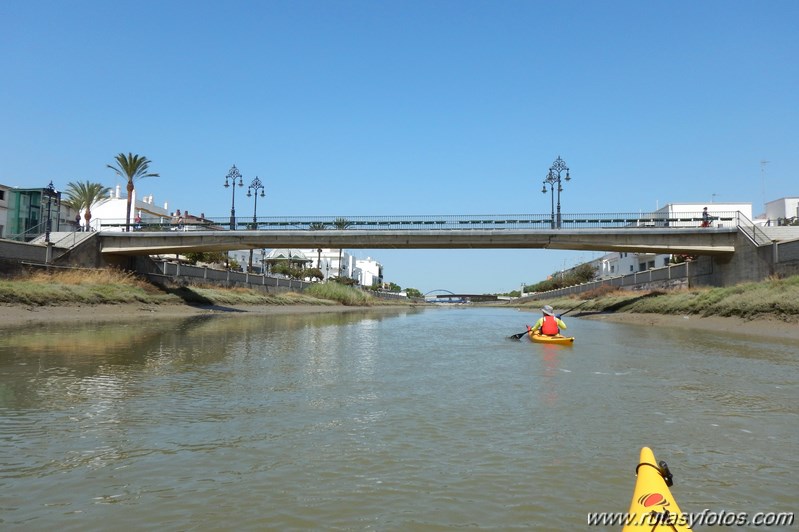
544 339
653 507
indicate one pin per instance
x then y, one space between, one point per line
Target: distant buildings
622 263
23 212
784 211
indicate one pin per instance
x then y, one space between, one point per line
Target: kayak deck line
653 506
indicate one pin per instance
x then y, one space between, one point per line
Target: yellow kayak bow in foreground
653 506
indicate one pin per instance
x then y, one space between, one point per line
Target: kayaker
549 324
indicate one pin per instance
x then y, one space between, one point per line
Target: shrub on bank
338 292
91 287
774 297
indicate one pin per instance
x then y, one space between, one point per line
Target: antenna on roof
763 164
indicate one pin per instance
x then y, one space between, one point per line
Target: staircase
63 240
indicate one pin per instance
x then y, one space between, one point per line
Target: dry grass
65 287
773 297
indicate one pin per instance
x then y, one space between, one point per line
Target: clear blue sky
430 107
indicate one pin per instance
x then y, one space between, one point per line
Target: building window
2 195
631 268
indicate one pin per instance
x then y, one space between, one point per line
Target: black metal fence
203 274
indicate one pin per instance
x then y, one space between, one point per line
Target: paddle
519 336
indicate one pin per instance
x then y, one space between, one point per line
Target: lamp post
552 178
51 193
256 185
231 176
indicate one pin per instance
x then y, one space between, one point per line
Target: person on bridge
706 218
549 324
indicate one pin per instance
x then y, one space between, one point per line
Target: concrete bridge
678 234
733 250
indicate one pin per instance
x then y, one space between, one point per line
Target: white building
622 263
368 272
3 210
332 262
782 209
110 214
679 215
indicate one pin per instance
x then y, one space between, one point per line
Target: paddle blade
519 336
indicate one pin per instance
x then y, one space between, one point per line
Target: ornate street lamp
552 178
51 193
256 185
231 176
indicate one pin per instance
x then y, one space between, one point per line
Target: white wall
367 271
113 210
3 211
694 210
782 208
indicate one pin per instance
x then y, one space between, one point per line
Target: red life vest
550 326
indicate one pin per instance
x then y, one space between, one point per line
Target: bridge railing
751 230
437 222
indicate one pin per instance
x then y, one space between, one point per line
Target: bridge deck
718 240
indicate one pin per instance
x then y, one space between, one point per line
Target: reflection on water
422 420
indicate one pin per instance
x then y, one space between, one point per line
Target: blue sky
436 107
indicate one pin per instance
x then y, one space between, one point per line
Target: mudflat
27 315
764 326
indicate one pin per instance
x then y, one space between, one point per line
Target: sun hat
548 310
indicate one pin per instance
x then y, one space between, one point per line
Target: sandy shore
22 315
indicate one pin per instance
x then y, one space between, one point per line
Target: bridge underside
689 241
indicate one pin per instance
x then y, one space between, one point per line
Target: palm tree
341 223
131 167
84 195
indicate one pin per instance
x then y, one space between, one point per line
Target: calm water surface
428 420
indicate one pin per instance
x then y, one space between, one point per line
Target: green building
27 213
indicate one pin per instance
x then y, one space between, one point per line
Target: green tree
413 292
393 287
209 257
131 167
85 195
312 273
317 226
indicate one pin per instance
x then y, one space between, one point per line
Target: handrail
428 222
751 231
544 222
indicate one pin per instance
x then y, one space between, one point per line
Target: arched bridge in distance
450 295
650 233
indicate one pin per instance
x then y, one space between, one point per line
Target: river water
406 420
